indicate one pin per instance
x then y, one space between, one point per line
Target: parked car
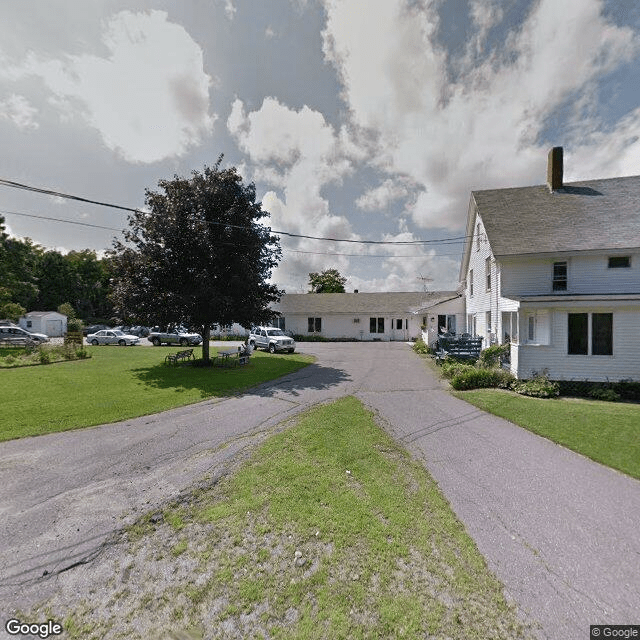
139 330
18 335
271 339
177 335
112 336
93 328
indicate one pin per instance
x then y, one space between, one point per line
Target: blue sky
365 121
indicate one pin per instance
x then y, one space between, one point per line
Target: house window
315 325
398 324
619 262
559 276
478 237
578 333
488 272
488 321
279 323
538 327
376 325
471 282
602 334
29 324
356 320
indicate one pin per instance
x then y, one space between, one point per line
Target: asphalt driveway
560 531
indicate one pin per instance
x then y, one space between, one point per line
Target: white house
51 323
368 316
555 271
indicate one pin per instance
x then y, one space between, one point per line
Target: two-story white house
555 271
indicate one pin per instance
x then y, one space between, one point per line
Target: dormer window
559 276
619 262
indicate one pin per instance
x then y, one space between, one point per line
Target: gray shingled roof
589 215
376 303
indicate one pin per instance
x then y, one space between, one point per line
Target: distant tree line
33 278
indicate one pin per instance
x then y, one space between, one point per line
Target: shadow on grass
263 377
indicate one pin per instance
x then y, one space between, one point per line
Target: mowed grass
607 432
329 530
118 383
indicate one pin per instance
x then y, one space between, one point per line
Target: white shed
51 323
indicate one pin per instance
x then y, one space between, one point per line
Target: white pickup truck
271 339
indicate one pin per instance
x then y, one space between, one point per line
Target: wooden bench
463 348
180 356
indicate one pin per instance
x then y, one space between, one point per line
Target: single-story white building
51 323
381 316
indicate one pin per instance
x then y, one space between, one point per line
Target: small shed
51 323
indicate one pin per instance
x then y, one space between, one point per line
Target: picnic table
231 358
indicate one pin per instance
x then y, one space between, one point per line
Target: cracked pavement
559 531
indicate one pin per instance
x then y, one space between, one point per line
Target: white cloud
390 190
148 98
18 110
482 129
229 9
297 152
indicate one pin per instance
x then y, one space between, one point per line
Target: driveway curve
560 531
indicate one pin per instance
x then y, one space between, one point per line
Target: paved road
560 531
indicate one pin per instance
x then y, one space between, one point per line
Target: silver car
18 335
112 336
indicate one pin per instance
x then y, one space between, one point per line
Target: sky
356 120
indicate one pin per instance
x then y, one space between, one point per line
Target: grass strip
330 530
118 383
607 432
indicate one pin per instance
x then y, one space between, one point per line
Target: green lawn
329 530
117 383
607 432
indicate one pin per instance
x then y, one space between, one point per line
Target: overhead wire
59 194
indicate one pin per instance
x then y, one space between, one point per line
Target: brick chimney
554 169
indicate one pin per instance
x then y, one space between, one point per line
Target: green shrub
609 395
492 356
628 389
82 353
44 357
420 346
74 324
538 387
480 378
452 367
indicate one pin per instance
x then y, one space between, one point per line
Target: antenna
424 279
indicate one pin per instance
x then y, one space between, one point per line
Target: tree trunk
206 335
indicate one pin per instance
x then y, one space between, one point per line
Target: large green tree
18 268
198 256
329 281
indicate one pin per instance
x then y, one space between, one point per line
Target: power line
82 224
317 253
59 194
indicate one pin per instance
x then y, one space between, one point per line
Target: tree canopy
329 281
198 256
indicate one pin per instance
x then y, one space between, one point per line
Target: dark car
94 328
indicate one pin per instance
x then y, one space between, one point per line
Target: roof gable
589 215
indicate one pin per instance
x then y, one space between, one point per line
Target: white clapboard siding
586 274
554 359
